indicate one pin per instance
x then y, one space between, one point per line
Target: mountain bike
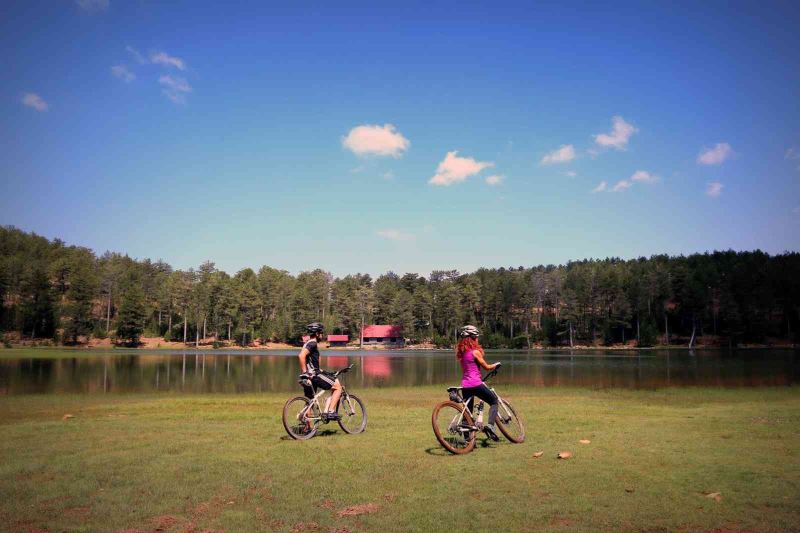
456 429
302 416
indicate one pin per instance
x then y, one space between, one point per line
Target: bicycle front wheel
453 427
353 414
509 423
300 418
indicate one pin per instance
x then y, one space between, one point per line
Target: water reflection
236 372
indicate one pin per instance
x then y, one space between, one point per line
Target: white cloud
136 55
162 58
454 169
372 139
619 135
570 173
394 235
621 186
35 101
388 176
714 189
495 179
564 154
792 154
641 176
601 186
716 155
93 6
175 88
122 72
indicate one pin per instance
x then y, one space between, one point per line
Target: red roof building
382 336
333 340
382 331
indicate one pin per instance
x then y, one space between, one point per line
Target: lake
103 371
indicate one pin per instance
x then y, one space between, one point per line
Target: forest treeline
51 290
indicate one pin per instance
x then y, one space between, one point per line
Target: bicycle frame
316 401
457 420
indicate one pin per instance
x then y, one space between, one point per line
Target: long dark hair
466 344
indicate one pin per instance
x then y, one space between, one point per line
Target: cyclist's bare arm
302 356
478 354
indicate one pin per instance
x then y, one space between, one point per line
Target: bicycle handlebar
492 373
343 370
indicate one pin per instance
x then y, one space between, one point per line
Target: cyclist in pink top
470 354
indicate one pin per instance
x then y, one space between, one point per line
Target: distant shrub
6 342
495 340
550 335
648 334
99 331
217 345
441 341
519 342
168 336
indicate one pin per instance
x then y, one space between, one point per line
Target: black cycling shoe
490 433
328 417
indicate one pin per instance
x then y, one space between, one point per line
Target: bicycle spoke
452 427
353 414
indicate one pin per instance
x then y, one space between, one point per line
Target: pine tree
82 290
132 315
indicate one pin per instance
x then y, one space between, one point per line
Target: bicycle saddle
453 389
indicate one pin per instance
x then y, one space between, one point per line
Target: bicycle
302 416
455 428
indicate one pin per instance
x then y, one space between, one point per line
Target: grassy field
182 462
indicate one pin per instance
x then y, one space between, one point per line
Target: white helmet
469 331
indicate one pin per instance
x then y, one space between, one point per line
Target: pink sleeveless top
471 374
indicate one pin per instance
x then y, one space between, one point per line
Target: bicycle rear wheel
353 414
509 423
300 418
453 428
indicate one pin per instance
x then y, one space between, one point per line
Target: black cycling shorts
323 381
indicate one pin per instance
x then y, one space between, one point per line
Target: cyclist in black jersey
316 377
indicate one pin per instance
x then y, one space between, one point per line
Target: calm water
235 372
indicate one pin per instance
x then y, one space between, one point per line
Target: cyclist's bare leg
335 395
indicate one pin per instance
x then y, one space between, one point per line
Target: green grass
179 462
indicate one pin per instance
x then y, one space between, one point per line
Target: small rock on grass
629 489
67 416
564 455
716 496
537 455
584 441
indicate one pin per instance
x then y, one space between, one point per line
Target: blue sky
312 134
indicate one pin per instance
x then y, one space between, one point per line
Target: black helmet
469 331
315 327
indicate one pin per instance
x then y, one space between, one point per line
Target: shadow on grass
323 433
438 451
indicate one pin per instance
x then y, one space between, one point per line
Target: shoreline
413 348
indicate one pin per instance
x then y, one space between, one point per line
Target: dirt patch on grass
29 528
560 521
165 522
731 528
328 504
358 510
302 527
